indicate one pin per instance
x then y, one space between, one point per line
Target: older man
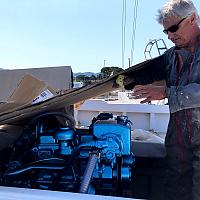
180 68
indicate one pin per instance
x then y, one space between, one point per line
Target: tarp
13 114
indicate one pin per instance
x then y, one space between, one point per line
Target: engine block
50 155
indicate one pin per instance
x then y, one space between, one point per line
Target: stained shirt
182 75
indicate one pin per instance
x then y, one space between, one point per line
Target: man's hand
149 92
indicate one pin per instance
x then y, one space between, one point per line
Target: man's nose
170 35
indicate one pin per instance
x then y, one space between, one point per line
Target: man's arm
154 70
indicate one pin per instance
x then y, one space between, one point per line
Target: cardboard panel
57 78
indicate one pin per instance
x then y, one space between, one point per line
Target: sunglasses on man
173 28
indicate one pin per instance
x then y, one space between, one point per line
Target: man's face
178 30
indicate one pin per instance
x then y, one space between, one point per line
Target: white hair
179 8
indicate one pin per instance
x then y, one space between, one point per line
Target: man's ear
193 19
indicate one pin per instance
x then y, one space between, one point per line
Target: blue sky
83 34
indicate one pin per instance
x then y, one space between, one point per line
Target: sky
83 34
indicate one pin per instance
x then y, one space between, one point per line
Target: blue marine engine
51 154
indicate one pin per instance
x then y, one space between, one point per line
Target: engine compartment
52 156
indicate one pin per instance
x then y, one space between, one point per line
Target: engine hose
40 164
67 116
88 173
33 167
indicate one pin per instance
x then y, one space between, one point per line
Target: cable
123 30
134 29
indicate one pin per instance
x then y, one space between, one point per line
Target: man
180 68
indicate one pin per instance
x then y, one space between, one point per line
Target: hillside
85 73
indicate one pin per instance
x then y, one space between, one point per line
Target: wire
123 30
134 29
